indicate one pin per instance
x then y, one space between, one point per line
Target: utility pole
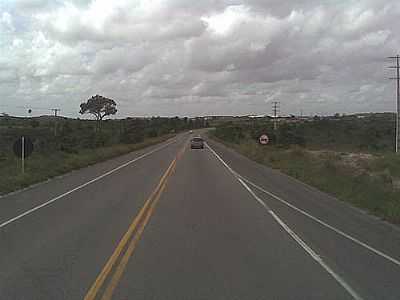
397 78
275 109
56 110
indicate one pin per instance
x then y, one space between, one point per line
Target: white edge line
338 231
81 186
295 237
317 258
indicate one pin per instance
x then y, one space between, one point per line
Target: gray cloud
199 57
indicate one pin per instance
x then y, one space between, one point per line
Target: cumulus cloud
181 57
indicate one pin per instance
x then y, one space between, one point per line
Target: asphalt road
168 222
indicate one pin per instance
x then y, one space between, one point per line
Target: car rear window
197 140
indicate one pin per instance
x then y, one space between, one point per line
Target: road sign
23 147
263 139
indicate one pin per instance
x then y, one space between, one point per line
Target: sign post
23 147
23 153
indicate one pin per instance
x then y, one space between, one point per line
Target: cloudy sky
198 57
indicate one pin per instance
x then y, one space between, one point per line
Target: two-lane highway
56 251
169 222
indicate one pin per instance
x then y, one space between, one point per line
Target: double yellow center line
119 259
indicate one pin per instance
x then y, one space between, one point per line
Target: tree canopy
99 106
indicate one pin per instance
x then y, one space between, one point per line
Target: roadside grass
389 163
40 167
360 187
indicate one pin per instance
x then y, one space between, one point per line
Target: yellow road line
91 294
132 246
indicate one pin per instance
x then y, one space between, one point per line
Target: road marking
82 186
295 237
317 258
338 231
132 246
133 235
91 294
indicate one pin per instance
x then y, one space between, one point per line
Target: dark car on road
197 143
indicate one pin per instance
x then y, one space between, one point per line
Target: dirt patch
357 160
396 183
350 159
358 163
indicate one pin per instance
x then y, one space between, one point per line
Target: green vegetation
371 133
76 143
369 179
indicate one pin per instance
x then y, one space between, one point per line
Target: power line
397 78
28 107
24 107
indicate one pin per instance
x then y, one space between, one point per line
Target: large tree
100 107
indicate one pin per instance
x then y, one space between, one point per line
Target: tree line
75 134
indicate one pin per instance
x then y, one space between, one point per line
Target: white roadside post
23 154
397 78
